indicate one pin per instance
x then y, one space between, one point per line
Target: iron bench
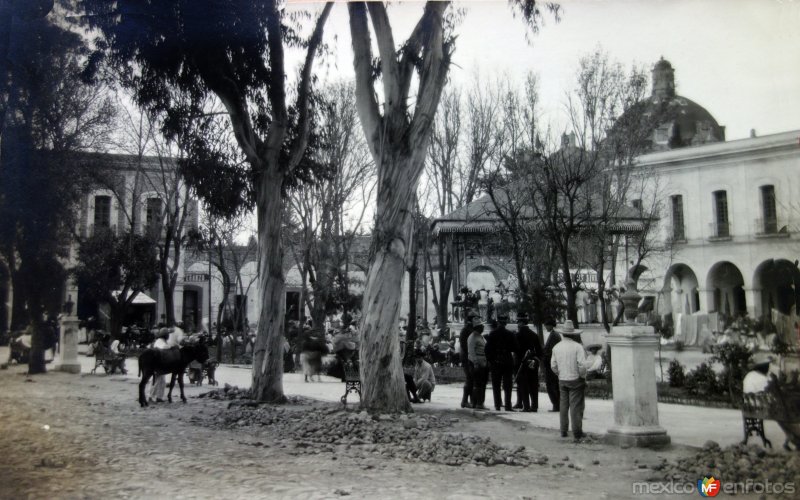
352 380
197 372
110 361
755 409
774 404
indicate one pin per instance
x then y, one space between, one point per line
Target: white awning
140 299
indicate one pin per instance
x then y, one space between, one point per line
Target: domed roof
662 64
686 124
676 121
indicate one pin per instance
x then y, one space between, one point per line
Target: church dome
677 121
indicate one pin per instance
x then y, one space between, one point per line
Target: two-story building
140 194
731 210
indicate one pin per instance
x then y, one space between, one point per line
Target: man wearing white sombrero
569 363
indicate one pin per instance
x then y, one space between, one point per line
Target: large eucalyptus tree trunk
398 146
268 351
383 383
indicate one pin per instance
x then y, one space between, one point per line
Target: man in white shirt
569 363
176 336
756 379
424 379
160 382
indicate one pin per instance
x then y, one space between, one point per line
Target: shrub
675 372
702 381
504 308
664 326
678 345
606 355
734 359
779 346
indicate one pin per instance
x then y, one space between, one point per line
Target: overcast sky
740 59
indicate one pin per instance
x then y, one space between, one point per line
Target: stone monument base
74 368
638 437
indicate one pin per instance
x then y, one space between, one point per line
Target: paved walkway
686 425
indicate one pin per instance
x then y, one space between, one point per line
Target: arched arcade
725 291
775 286
681 290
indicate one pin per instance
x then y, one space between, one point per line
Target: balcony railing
719 231
771 227
678 234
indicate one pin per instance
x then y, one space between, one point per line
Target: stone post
68 345
634 385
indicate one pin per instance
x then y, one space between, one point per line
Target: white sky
740 59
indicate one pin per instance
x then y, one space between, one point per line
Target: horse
154 362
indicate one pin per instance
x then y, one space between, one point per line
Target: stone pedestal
68 346
634 383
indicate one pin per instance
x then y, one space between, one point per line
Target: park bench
109 360
755 409
766 405
352 380
197 371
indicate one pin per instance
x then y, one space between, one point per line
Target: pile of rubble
737 463
325 428
228 392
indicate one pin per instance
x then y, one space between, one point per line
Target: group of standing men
507 357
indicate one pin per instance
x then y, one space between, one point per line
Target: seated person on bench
756 381
424 378
594 363
119 360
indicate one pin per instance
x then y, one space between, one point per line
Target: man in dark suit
500 348
465 363
550 378
529 355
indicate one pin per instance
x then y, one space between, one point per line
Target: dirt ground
68 436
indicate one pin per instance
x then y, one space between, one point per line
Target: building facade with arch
731 209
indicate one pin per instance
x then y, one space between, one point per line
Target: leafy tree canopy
178 55
109 263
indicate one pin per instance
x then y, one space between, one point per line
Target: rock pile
736 463
228 392
336 430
